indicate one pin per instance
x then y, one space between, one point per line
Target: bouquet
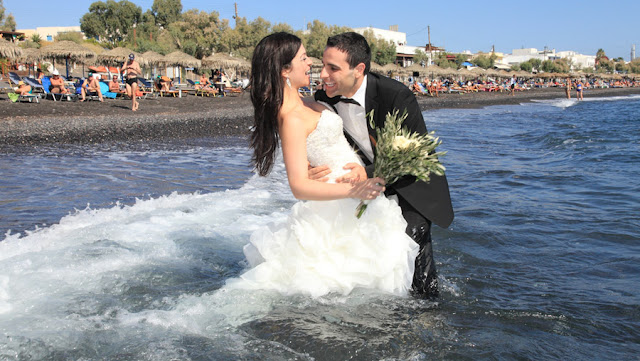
400 153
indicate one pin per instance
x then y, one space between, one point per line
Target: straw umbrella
9 50
153 60
178 58
117 56
376 68
67 50
220 60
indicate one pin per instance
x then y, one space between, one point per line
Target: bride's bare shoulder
312 104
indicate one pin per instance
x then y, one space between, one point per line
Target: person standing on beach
513 85
131 72
579 90
354 92
568 88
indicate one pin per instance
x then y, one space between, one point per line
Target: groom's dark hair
356 47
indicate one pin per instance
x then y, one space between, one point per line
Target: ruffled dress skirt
323 248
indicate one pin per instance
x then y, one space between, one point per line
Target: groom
354 92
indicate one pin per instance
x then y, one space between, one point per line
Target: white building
405 53
576 60
48 33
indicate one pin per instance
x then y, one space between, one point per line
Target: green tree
535 63
166 11
241 40
484 61
526 66
316 39
284 27
443 61
620 66
9 23
198 33
110 21
74 36
382 51
421 57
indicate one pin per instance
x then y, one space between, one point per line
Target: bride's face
300 68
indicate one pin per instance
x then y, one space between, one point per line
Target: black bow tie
348 100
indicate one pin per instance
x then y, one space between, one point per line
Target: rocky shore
191 116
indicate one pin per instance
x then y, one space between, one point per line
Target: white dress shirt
354 120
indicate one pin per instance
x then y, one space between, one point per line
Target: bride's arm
293 136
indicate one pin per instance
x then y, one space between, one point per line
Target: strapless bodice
327 145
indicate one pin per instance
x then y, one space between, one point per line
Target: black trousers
425 278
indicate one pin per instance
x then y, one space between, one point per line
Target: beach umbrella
181 59
221 60
390 68
117 56
30 55
315 61
151 58
376 68
67 50
178 58
9 50
416 68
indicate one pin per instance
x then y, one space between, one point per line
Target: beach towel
13 97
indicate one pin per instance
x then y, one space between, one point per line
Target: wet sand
191 116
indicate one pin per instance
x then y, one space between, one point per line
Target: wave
566 103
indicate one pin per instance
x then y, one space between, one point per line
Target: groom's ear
360 69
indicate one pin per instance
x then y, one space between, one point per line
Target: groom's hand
319 173
358 173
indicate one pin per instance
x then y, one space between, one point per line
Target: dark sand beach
191 116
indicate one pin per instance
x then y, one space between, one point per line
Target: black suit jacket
384 95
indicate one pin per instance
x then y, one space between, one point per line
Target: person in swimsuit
579 90
132 72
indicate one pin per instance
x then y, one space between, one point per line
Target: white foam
565 103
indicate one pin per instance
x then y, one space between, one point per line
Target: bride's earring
288 83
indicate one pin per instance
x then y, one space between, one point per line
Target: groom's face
338 77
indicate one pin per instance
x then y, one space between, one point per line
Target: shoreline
191 116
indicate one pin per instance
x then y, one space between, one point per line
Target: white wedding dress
322 247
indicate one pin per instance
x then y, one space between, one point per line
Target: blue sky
583 26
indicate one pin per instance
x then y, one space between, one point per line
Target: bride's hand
367 189
319 173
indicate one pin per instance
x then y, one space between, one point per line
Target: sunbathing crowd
130 84
448 85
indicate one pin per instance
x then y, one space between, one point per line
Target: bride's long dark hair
273 54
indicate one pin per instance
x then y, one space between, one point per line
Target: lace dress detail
322 247
326 145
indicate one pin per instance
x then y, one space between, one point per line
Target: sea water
118 251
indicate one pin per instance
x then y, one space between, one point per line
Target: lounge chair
305 91
233 91
14 78
104 89
35 85
147 88
5 87
46 83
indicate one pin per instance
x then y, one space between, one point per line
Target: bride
322 247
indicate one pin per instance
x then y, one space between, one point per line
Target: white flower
400 142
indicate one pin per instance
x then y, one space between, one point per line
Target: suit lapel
371 104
